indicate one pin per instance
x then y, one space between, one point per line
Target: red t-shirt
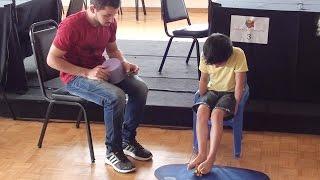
83 42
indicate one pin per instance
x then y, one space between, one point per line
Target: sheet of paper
249 29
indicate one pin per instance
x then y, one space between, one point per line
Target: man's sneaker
136 151
119 162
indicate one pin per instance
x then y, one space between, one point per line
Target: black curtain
35 11
5 29
22 16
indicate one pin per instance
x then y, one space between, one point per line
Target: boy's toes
205 167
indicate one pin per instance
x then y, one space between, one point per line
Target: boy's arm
240 79
203 83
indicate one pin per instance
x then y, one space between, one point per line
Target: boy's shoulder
237 50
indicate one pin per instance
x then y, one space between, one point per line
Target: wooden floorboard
65 153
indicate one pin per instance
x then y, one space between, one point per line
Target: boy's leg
224 107
202 135
215 138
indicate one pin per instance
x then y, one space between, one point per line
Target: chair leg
194 131
9 106
89 137
198 57
137 10
120 10
165 54
237 138
45 124
79 118
85 4
190 51
241 124
144 7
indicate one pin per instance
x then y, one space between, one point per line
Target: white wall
156 3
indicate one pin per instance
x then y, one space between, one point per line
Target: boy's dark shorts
220 100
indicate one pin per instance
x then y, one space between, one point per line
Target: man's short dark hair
101 4
217 48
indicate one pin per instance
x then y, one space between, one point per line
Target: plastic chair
236 123
41 36
175 10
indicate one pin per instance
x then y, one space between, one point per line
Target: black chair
41 36
76 6
175 10
137 8
5 30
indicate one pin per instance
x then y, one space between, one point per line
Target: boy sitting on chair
223 73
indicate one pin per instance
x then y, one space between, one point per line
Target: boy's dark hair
101 4
217 48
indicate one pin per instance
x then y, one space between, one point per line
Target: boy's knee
203 108
203 112
217 115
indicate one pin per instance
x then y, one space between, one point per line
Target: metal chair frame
51 100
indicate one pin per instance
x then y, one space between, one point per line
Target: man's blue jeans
121 120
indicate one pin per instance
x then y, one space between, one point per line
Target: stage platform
171 95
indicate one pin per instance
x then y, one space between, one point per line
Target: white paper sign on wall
249 29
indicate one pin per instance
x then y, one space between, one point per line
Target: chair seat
63 95
194 30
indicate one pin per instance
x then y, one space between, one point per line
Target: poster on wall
249 29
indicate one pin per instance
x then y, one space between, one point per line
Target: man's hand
98 73
130 68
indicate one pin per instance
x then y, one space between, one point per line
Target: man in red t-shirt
77 52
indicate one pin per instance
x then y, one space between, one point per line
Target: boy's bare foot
206 166
196 161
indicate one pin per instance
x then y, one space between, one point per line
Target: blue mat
180 172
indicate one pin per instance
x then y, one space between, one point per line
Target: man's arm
56 60
114 52
240 79
203 83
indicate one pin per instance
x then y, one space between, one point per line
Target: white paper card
249 29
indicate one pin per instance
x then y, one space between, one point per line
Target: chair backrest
173 10
41 37
5 30
75 6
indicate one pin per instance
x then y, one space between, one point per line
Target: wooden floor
65 153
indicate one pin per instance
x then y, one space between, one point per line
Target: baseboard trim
153 9
158 9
